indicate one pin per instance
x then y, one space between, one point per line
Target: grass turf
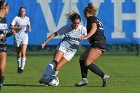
123 70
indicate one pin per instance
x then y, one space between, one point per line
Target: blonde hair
91 9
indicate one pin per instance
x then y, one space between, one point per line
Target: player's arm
8 34
29 28
48 39
11 33
29 25
13 24
1 36
92 31
16 27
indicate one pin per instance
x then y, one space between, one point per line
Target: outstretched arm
48 39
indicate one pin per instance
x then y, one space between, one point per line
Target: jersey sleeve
62 30
14 21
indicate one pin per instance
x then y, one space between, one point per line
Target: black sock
96 70
1 79
83 68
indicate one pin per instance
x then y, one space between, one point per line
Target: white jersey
72 35
18 21
21 37
71 40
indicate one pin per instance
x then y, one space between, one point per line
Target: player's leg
18 51
62 62
3 56
23 55
84 70
68 55
50 67
93 54
24 44
17 43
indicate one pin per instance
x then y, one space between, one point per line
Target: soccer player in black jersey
97 41
4 8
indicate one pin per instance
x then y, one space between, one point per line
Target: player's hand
13 31
83 38
43 45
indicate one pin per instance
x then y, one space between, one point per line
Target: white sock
19 62
55 73
23 61
84 79
49 69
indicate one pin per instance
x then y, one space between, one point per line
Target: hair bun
90 5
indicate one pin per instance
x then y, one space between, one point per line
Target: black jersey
97 39
3 33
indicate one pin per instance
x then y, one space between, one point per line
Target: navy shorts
3 48
98 42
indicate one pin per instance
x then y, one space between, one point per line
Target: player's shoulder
16 17
66 26
26 17
82 27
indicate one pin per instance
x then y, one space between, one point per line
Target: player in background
20 23
66 48
95 35
4 9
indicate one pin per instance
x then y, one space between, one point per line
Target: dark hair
3 3
20 10
73 16
91 9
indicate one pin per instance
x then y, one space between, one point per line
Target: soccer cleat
105 80
20 71
43 81
1 86
83 82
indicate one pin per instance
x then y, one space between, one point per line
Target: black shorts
3 48
98 42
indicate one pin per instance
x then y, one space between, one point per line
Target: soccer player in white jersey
20 23
66 48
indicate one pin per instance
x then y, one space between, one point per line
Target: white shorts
21 38
68 51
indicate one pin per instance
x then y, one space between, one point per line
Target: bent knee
88 62
56 61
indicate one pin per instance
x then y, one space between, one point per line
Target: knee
2 72
87 63
56 61
57 68
23 55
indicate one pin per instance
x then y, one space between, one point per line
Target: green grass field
123 70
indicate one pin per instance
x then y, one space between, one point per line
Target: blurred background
121 19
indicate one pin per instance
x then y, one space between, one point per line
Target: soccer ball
54 81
